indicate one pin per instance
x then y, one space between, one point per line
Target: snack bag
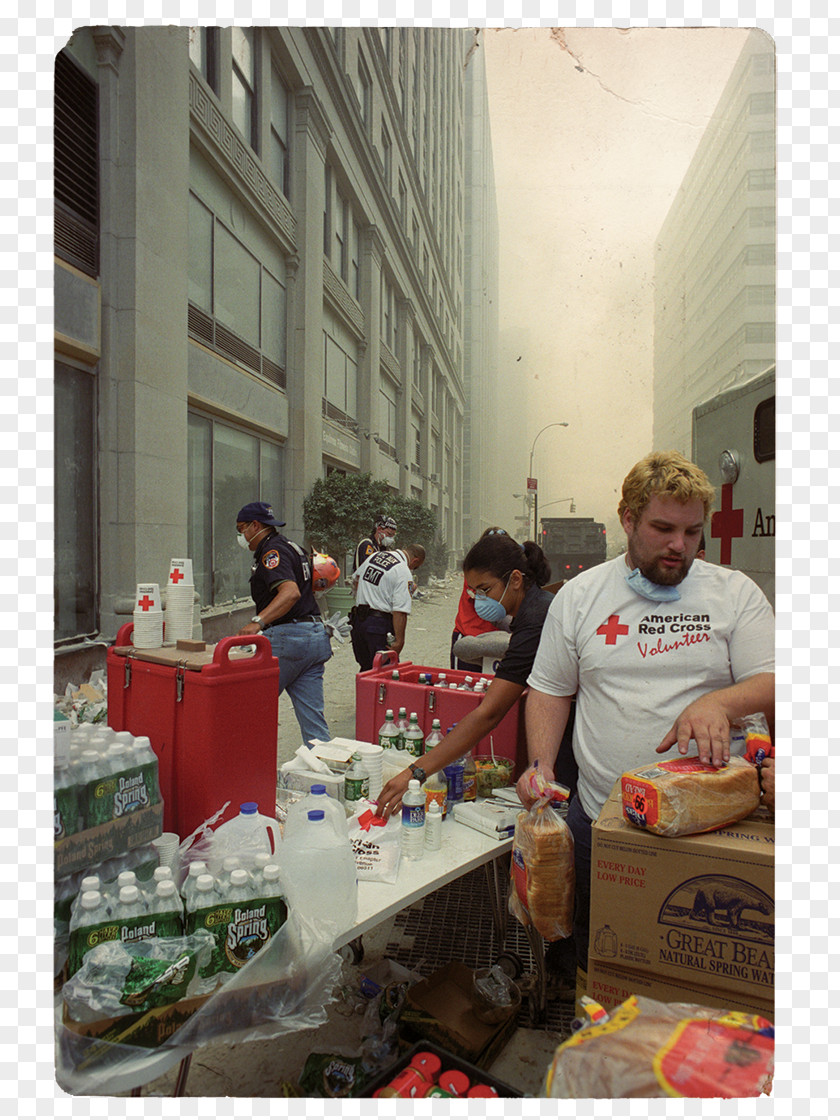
541 788
542 872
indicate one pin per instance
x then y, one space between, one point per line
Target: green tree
342 509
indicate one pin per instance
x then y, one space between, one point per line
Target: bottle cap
316 814
165 888
414 785
248 808
239 877
126 879
230 863
129 894
90 900
90 883
204 882
197 867
317 789
271 872
434 809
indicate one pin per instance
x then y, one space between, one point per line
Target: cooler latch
432 700
179 681
382 694
127 677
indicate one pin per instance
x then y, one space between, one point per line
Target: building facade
260 279
715 255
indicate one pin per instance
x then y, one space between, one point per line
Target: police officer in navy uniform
288 615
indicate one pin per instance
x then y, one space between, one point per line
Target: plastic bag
542 789
282 990
750 737
118 979
375 843
649 1049
542 872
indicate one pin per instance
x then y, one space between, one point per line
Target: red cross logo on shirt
611 629
145 603
727 523
176 575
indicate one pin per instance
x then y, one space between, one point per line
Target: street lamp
557 424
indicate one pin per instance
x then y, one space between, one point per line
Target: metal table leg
496 875
538 997
183 1072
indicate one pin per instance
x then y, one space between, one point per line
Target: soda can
455 1081
408 1083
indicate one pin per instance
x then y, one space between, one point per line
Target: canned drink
426 1063
455 1081
482 1091
408 1083
436 1091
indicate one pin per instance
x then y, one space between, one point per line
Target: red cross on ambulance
727 523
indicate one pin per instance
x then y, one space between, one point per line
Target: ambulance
733 438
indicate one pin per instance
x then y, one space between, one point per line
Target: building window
354 282
415 233
204 54
74 517
340 376
280 100
244 82
237 305
386 157
388 421
388 316
226 467
415 369
342 222
76 175
403 201
416 443
363 90
328 193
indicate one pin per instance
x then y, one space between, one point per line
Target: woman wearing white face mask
503 579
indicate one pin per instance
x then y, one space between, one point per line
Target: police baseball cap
386 523
258 511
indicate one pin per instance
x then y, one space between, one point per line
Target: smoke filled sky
593 130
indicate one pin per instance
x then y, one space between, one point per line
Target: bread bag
542 872
645 1048
681 796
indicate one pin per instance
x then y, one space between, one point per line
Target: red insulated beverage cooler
378 689
211 717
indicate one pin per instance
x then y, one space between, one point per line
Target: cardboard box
695 909
440 1009
84 849
611 986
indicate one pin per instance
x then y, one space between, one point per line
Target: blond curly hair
667 474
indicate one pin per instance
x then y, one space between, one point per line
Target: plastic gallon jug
317 798
319 871
244 836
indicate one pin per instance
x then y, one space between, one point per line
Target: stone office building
260 278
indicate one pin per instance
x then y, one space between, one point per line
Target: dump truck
572 544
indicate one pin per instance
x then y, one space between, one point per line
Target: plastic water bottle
201 895
197 867
130 914
356 781
244 836
317 798
402 727
65 799
441 680
89 884
435 736
454 782
161 874
433 828
470 779
413 739
229 865
388 732
413 821
166 910
467 684
320 874
92 913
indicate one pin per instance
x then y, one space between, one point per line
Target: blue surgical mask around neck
656 592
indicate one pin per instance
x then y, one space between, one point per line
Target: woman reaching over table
503 579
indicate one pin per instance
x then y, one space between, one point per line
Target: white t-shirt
384 580
634 664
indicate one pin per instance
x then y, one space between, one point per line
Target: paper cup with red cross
180 596
148 617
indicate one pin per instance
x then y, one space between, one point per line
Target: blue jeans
581 827
302 648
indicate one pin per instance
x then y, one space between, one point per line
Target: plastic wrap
284 989
542 872
649 1049
684 796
